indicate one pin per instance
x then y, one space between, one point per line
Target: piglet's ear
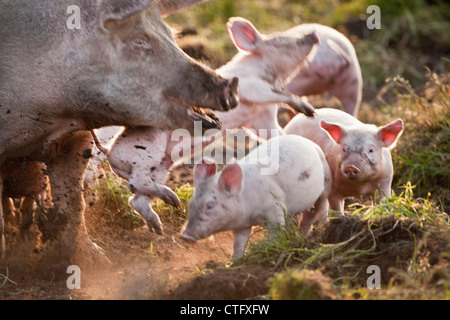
203 170
231 179
334 130
390 133
244 34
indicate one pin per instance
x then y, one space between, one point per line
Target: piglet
263 65
333 68
358 154
27 179
244 194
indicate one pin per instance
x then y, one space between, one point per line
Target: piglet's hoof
303 106
171 198
155 227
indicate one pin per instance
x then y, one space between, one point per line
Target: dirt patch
143 265
388 242
225 284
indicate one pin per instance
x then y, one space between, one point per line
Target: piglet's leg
27 209
310 216
240 241
146 185
263 92
383 190
336 203
266 123
143 205
8 209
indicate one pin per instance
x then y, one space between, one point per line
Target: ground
143 265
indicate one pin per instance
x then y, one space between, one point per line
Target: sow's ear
244 34
120 9
334 130
390 133
203 170
230 179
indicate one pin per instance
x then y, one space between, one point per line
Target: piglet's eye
210 205
278 40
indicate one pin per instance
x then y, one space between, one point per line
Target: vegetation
407 237
114 196
171 216
423 156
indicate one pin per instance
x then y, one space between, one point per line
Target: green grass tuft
114 196
400 235
422 155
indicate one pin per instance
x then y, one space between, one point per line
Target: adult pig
332 68
240 196
120 67
358 154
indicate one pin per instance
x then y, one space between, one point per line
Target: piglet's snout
313 38
188 238
351 172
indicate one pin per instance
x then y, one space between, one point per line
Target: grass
172 216
114 196
407 237
423 152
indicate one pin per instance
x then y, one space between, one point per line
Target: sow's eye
210 205
141 44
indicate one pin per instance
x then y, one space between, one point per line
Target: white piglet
358 154
241 196
333 68
263 65
139 156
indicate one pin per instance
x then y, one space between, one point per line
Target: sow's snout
230 97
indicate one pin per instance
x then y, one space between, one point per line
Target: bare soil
144 265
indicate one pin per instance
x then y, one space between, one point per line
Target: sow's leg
2 236
63 228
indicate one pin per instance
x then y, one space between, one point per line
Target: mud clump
225 284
